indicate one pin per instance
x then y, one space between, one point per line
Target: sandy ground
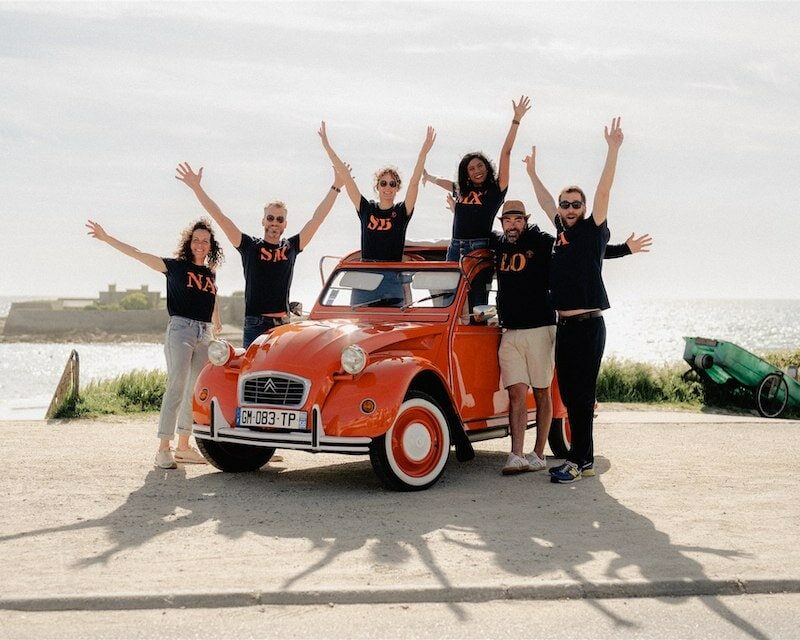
684 503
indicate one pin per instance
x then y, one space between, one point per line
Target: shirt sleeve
245 244
294 243
363 208
169 263
617 251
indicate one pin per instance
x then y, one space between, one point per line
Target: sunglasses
388 183
271 218
566 204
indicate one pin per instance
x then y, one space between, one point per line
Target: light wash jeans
186 348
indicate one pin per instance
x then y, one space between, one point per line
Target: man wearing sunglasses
268 262
523 254
579 296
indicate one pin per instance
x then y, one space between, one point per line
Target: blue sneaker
569 472
558 467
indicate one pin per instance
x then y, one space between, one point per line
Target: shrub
141 390
135 301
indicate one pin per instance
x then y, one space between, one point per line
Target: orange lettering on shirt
562 239
379 224
473 197
513 262
201 282
276 255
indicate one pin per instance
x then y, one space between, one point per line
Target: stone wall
22 321
28 318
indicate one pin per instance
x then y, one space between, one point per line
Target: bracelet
336 189
515 122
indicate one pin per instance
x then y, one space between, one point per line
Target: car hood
316 345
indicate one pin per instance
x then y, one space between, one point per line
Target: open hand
430 138
187 176
96 231
522 107
339 176
323 133
640 244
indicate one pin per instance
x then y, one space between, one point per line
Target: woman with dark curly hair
191 303
478 195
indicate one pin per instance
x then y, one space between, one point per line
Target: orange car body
289 389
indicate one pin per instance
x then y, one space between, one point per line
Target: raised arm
340 168
154 262
546 201
614 139
447 185
520 109
192 180
324 208
413 183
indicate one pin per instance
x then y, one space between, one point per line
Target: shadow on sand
526 526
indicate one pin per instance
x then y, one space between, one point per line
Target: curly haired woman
191 303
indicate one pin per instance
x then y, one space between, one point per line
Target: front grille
275 390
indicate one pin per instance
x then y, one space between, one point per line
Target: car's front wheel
412 455
235 458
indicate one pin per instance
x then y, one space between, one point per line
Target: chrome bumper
314 440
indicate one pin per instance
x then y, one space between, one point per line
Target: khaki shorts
528 356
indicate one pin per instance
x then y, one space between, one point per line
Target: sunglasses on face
566 204
388 183
271 218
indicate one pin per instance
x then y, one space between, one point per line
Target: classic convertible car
390 363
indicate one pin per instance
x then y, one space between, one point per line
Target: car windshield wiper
369 303
441 294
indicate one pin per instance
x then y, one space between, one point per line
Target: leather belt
588 315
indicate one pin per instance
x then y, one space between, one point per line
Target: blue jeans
479 288
186 349
254 326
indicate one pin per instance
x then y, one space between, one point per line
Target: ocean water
646 331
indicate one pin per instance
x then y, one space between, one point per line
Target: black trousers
579 350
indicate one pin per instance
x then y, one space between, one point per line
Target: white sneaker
189 456
164 460
536 463
515 464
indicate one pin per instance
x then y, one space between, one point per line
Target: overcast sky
99 102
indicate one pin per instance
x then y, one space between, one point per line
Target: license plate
270 418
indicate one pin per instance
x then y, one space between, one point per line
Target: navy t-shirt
191 290
475 212
523 273
576 278
383 231
268 272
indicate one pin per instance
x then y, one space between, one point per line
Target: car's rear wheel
560 437
412 455
234 458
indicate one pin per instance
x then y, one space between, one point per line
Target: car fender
218 383
385 382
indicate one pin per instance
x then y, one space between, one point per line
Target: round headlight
354 359
219 352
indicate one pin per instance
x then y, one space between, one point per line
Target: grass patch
619 381
134 392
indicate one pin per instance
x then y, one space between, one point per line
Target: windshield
394 288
